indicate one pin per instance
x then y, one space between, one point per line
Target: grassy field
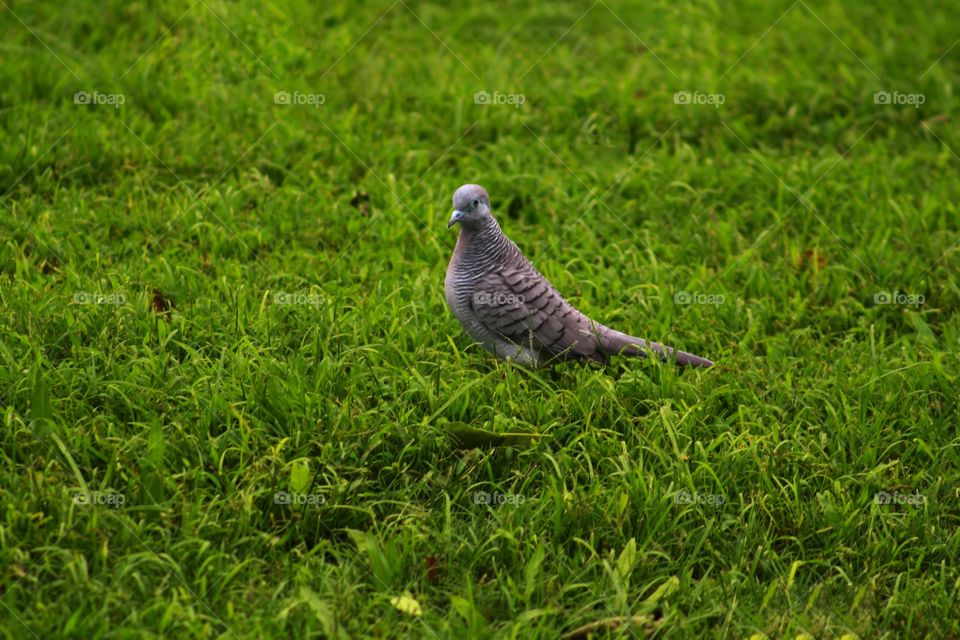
229 377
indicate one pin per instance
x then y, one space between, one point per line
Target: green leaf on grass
151 465
384 559
324 613
41 411
468 437
668 587
300 476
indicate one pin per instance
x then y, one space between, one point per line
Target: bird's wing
518 304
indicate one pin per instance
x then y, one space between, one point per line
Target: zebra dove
506 305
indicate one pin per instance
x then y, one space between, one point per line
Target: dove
507 306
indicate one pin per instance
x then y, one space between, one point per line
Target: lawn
231 385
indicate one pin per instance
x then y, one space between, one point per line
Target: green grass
189 396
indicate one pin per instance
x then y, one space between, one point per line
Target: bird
514 312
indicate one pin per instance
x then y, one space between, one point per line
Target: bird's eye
475 203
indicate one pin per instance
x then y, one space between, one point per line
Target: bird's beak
454 218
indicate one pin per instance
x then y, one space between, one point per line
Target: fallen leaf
161 303
407 604
361 202
433 570
610 624
810 258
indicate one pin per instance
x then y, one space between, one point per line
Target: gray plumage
506 305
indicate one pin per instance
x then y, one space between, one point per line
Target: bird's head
471 205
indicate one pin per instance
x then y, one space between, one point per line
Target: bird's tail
614 342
